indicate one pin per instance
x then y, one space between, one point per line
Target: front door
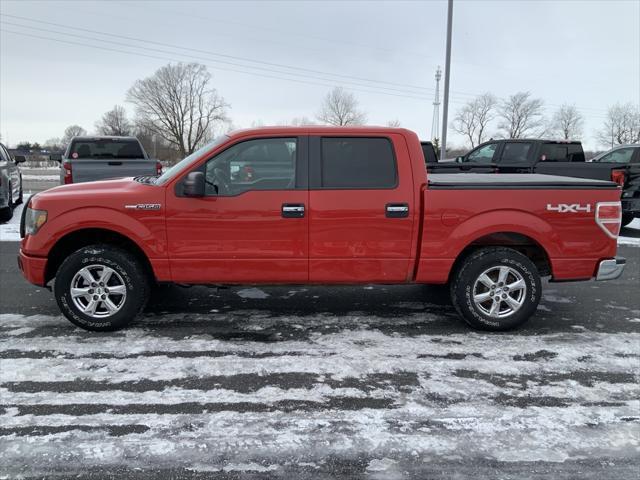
252 225
362 211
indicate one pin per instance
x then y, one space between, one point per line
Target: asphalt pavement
322 382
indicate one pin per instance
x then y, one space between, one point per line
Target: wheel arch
520 242
77 239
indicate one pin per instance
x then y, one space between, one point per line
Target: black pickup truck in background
551 157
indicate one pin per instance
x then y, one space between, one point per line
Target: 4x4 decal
568 208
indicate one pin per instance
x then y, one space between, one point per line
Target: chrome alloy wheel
98 291
499 292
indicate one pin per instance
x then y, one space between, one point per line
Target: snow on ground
42 178
149 396
10 231
630 235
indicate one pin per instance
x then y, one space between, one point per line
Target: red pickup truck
319 205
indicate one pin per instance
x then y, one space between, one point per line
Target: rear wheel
101 288
496 289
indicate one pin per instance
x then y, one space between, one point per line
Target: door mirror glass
459 159
20 158
55 157
194 185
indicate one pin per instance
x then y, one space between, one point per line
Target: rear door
362 210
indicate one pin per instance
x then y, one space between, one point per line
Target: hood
104 193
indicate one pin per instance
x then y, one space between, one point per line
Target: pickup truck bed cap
476 181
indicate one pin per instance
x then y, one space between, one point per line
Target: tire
627 218
483 268
19 201
127 288
6 214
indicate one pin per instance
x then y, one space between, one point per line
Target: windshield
105 148
171 172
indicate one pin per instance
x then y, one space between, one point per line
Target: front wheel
496 289
101 288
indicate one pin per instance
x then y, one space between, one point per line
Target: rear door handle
292 210
397 210
114 163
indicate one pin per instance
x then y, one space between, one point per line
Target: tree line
520 115
177 110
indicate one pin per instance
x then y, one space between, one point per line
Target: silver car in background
10 183
87 159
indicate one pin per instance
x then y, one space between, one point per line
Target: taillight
158 168
609 217
618 176
67 173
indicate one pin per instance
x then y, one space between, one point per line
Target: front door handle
292 210
397 210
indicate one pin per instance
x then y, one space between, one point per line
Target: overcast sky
52 74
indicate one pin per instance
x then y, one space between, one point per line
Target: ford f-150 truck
322 206
87 159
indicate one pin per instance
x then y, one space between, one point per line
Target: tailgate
88 170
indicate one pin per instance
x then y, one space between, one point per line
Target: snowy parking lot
300 382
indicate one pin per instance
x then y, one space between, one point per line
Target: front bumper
33 268
610 269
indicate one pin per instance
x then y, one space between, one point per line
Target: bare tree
474 117
521 116
72 131
567 122
53 144
341 108
178 104
621 126
115 122
394 123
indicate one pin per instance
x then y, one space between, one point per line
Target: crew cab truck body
88 159
336 206
553 157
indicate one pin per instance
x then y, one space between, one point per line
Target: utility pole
447 75
435 123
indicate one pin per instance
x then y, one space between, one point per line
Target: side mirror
55 157
20 158
459 159
194 185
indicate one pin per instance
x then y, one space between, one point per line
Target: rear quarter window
358 163
559 152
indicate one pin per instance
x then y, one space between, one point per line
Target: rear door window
105 149
366 163
515 152
483 154
622 155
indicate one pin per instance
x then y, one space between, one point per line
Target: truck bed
517 181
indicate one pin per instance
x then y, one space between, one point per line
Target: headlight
34 219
